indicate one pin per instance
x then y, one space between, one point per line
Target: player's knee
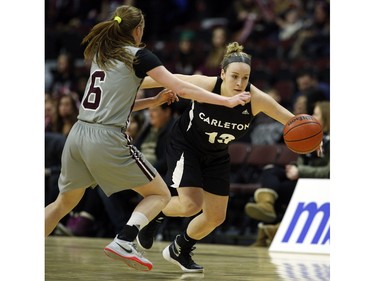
162 191
166 197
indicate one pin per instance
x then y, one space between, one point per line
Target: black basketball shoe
181 257
146 235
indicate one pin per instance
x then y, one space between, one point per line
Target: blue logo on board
312 210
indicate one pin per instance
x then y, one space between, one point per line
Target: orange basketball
303 134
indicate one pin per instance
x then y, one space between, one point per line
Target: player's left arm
262 102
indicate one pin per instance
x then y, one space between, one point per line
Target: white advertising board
305 227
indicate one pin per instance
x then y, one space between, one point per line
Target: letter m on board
311 209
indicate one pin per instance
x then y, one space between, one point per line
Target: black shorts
188 167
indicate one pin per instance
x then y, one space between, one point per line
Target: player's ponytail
106 41
234 53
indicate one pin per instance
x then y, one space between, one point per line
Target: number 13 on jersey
223 138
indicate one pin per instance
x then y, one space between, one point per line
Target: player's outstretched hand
240 99
166 96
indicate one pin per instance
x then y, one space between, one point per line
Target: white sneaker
127 252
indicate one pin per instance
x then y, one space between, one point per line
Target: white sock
138 219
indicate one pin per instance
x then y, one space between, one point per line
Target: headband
118 19
237 59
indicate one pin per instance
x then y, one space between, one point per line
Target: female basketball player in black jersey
198 159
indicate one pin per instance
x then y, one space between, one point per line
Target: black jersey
210 128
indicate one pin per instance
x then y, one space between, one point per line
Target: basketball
303 134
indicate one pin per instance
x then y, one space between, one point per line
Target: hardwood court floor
72 258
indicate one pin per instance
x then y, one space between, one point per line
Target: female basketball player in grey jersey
198 159
97 151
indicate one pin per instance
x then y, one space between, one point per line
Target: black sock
128 233
185 242
160 217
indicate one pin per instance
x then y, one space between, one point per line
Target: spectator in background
67 112
278 183
280 7
311 88
290 24
307 79
66 22
50 113
64 78
242 16
249 19
138 121
160 24
313 40
53 147
152 141
300 105
186 58
217 49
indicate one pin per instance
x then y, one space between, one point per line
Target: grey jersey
110 94
97 152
